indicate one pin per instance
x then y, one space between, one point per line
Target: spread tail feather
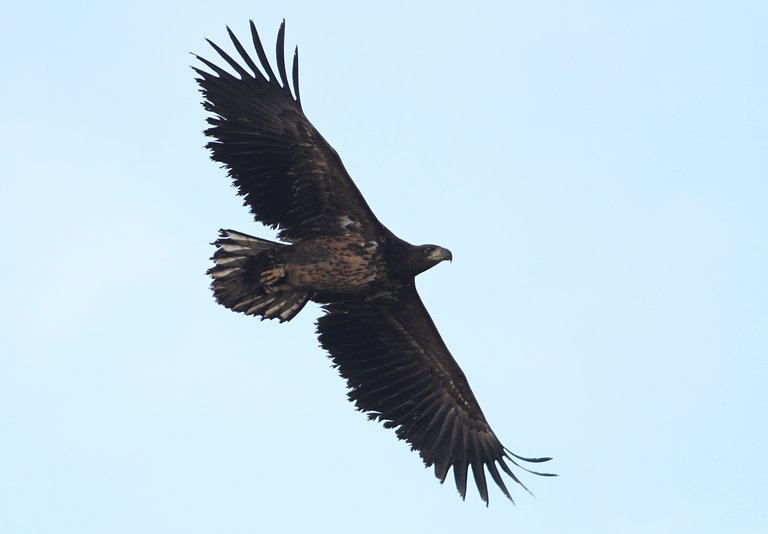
239 262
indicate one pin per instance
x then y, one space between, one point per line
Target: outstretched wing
290 176
400 372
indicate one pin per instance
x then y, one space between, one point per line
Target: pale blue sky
599 170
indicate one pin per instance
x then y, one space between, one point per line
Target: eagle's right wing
290 176
400 372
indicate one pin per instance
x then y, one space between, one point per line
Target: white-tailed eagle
334 251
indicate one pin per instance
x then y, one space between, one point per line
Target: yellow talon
272 275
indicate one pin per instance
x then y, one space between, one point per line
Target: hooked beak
441 254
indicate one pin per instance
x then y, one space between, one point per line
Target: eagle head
420 258
435 254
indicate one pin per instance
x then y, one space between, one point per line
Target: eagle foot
273 274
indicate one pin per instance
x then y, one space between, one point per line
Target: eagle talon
272 275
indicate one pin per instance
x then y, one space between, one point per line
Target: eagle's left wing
291 178
400 372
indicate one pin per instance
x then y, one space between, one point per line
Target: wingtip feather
280 53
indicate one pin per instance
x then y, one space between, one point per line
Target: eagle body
347 264
352 265
333 250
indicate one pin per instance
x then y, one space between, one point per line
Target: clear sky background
599 170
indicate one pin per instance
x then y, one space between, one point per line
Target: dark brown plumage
335 252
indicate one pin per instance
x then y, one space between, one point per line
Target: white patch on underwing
346 223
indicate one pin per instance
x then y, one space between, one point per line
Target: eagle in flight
334 251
